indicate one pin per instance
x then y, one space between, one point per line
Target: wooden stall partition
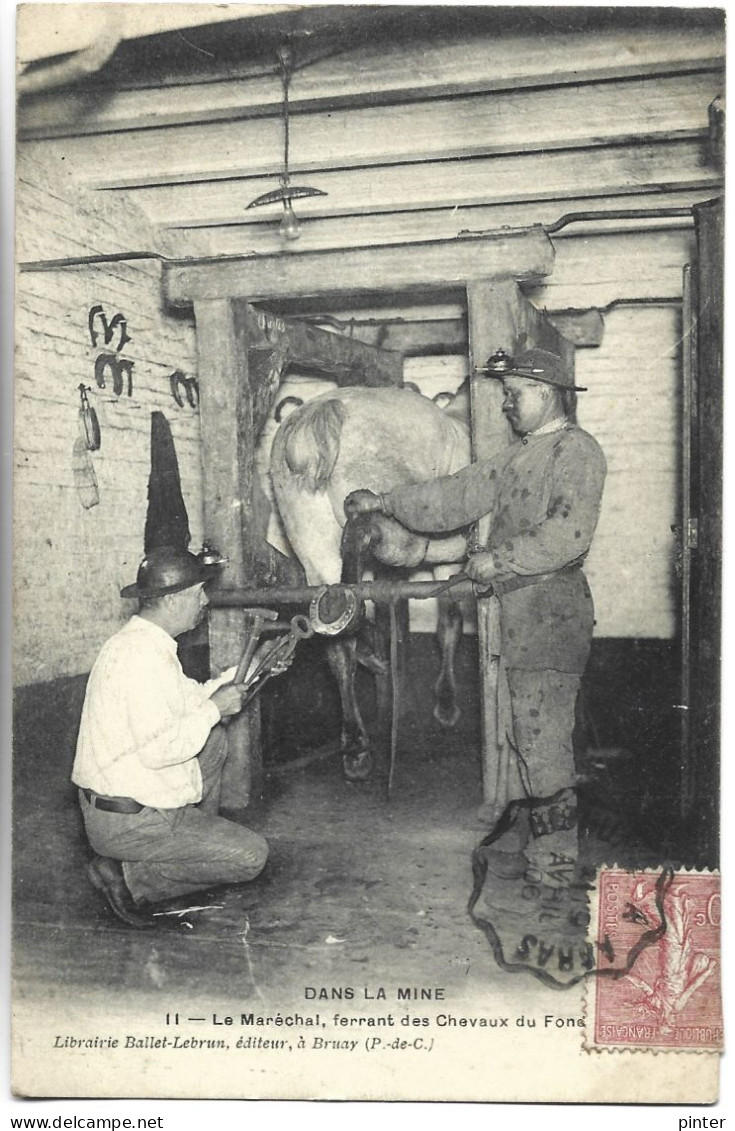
499 317
243 354
226 422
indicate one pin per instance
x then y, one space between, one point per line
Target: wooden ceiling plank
568 174
507 122
399 227
527 255
464 65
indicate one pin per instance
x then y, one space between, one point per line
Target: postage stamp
658 984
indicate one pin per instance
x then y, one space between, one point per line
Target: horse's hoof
447 719
357 767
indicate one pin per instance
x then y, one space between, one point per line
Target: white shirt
143 721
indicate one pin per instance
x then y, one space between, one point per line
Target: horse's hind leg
449 632
356 757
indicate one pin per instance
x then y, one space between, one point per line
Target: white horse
378 439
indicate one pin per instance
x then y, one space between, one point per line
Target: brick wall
70 559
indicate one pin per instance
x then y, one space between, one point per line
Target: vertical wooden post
706 538
499 317
488 331
228 447
688 529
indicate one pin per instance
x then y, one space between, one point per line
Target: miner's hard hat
167 569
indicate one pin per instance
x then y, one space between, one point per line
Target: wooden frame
243 353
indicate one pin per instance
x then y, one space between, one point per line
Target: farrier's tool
300 629
259 617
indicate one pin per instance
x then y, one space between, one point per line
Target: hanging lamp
289 226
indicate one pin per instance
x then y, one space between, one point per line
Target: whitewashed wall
633 407
70 562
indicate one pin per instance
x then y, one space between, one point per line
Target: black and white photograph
367 552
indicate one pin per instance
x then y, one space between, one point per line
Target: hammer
259 617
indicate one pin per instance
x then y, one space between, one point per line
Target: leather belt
522 581
113 804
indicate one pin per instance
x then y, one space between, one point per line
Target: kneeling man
150 754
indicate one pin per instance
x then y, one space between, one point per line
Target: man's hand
481 568
228 699
362 502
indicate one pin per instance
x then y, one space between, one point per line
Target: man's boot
107 876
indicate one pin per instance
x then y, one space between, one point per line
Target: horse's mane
311 438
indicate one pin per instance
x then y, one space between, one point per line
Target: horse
376 438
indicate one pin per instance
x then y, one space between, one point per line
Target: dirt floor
358 889
360 918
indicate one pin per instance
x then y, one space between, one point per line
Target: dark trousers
542 706
169 852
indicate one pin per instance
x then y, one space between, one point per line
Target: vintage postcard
367 522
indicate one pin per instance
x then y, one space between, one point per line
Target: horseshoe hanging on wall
190 385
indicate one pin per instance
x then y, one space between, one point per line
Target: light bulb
289 226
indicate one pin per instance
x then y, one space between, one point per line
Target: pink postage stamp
657 984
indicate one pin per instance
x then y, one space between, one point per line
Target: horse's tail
311 438
311 442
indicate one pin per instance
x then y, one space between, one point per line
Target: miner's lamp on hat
167 569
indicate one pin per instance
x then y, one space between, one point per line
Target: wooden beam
598 171
449 67
524 255
504 122
490 432
425 338
351 361
437 337
228 443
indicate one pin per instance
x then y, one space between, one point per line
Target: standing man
542 494
150 754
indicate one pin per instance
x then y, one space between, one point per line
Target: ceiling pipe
683 211
617 214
